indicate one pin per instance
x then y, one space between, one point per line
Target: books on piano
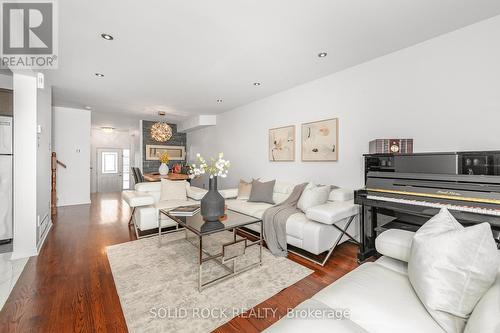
391 146
185 210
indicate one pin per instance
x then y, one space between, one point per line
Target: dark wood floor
69 286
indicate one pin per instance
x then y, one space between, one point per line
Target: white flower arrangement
217 168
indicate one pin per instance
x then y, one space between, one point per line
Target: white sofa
318 230
380 299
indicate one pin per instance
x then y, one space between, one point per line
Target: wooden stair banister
54 164
61 164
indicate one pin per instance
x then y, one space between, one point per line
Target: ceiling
181 56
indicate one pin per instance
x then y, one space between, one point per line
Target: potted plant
163 170
212 204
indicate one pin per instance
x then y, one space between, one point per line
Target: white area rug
158 286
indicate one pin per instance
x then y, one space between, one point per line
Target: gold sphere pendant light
161 131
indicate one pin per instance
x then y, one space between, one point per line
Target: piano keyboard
476 210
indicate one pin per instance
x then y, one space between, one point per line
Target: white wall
32 173
444 93
25 157
44 151
72 145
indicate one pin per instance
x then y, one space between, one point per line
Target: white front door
109 170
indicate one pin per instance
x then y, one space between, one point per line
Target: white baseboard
44 236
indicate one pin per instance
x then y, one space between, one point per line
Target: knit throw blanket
274 220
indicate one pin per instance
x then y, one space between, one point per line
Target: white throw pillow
340 194
313 196
173 190
451 267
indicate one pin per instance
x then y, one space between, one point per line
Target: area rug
158 286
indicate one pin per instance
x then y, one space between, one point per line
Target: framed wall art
282 144
320 140
175 153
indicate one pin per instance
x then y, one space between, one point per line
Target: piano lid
467 163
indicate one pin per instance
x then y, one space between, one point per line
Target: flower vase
212 204
163 170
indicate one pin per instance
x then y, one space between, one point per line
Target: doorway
113 169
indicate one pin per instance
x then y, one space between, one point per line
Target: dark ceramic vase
209 226
212 204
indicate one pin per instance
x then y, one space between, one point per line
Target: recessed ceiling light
107 36
88 107
107 129
256 84
99 74
161 113
219 100
322 54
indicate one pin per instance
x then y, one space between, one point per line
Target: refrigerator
6 221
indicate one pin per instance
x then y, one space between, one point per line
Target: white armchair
146 204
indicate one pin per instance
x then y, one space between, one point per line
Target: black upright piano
404 191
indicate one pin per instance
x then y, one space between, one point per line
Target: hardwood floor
69 287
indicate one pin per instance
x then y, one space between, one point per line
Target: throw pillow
313 196
244 189
173 190
262 191
451 267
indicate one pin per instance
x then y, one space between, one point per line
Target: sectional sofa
320 229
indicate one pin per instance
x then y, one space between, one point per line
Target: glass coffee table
232 221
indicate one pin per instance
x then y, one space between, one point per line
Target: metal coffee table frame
219 258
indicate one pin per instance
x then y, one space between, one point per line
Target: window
109 162
126 169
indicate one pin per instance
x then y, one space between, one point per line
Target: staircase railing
54 164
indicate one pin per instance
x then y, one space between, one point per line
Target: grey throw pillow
262 192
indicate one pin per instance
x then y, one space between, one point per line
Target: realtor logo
29 34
